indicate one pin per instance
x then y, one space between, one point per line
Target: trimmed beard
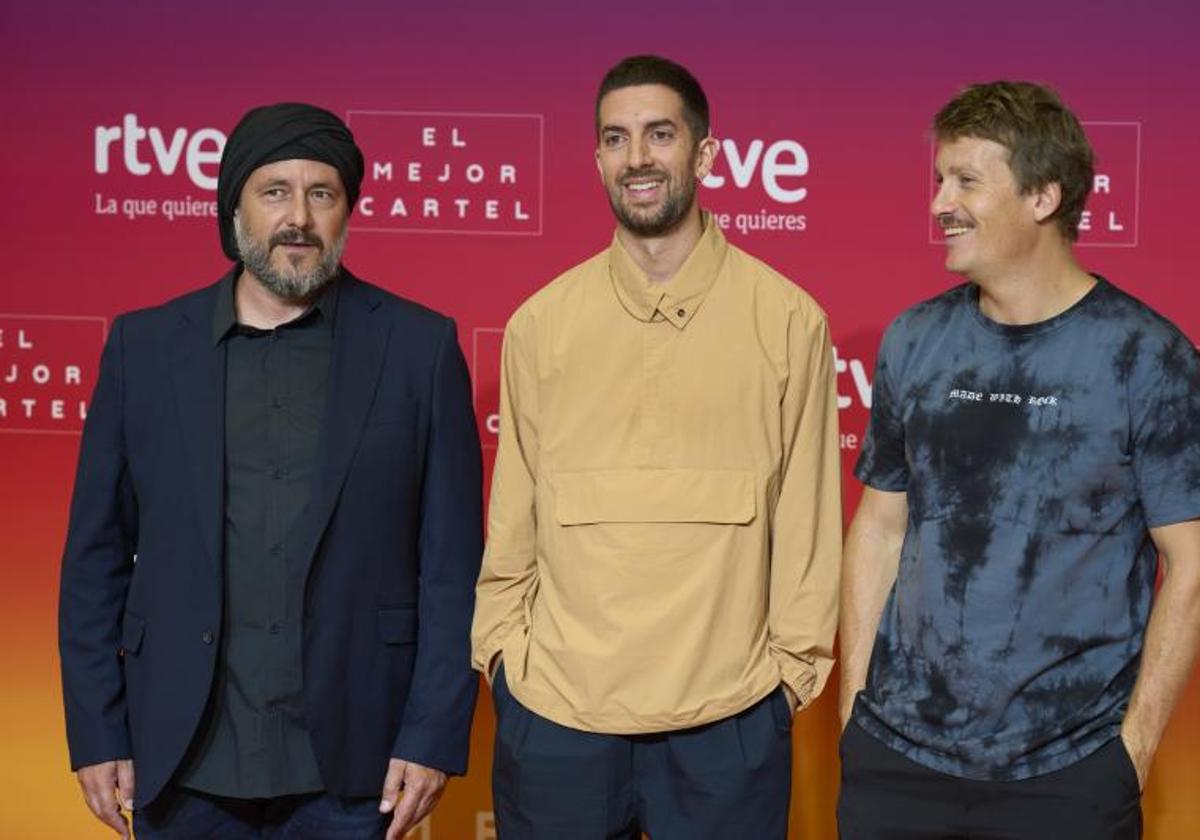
291 284
674 209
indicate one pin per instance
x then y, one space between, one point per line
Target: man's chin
295 286
647 222
303 275
955 266
296 262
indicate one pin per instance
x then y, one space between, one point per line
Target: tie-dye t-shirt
1034 458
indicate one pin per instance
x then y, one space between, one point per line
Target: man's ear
1046 201
706 156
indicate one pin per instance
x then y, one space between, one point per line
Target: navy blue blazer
393 534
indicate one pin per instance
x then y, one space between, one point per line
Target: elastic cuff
801 680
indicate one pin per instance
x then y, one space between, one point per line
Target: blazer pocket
133 629
398 625
722 497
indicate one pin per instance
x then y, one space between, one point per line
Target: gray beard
293 284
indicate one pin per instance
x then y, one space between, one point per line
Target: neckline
971 297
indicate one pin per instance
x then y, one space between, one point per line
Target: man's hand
1171 645
422 788
107 788
869 566
1141 756
792 700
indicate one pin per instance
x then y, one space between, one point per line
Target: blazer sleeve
436 725
96 569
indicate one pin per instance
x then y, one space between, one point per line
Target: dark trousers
886 796
181 814
728 779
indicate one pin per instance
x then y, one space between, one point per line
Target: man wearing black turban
291 457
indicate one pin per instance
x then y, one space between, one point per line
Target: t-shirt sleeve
1165 407
882 463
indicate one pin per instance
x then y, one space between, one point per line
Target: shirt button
276 402
206 637
274 628
277 549
279 472
680 312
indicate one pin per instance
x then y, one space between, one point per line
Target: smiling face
648 159
989 225
290 226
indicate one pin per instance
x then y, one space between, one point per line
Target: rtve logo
778 167
142 150
856 371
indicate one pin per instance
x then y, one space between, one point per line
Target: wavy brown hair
1045 141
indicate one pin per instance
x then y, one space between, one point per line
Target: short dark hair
655 70
1045 141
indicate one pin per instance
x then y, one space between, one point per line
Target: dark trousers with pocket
886 796
728 779
182 814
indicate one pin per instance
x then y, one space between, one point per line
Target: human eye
612 140
662 135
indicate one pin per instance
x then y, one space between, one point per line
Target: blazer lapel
360 339
198 380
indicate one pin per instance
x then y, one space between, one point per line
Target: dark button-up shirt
254 742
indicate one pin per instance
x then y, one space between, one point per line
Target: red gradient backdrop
117 111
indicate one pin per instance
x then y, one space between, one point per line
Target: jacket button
206 637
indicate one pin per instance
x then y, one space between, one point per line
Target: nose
299 214
943 200
639 152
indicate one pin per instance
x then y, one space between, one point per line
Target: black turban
286 131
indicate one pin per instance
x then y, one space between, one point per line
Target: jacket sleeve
807 538
436 725
96 569
509 574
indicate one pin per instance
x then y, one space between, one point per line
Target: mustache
642 173
946 220
295 236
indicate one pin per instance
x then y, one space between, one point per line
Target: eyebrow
958 168
666 122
